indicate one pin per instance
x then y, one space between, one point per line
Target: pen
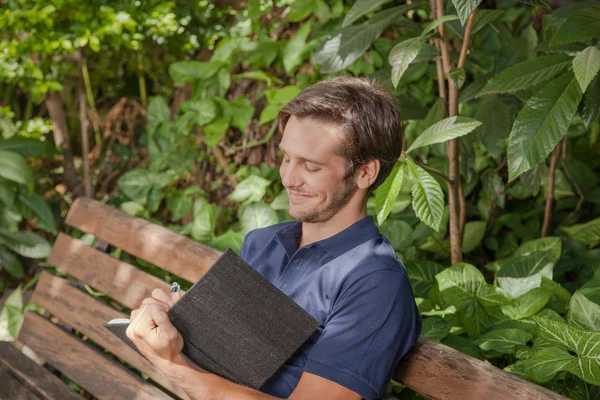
175 288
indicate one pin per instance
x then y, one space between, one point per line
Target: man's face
312 171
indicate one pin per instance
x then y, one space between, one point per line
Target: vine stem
550 194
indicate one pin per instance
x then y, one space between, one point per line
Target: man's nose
290 176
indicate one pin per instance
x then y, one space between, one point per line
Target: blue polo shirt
354 285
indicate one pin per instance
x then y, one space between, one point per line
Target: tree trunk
56 110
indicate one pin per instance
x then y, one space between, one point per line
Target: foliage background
167 111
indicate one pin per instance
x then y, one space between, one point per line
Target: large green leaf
143 186
544 364
14 168
229 240
360 8
251 189
465 8
503 340
204 110
428 198
402 55
257 215
40 209
583 342
422 275
215 131
588 232
25 243
27 147
11 316
444 130
344 47
204 222
435 328
496 119
590 103
580 25
527 74
586 65
243 111
583 312
386 194
300 10
527 304
542 122
158 112
473 235
10 263
188 71
293 51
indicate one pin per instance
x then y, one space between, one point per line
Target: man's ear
367 173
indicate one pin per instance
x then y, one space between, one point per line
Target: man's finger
160 295
176 297
151 300
161 319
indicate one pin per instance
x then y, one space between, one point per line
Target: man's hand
151 330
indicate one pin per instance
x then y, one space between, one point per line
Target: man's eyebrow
306 159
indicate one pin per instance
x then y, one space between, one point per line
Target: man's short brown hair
367 114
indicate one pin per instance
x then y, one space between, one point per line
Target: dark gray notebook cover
237 324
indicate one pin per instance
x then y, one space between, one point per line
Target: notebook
235 323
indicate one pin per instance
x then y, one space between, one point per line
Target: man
341 138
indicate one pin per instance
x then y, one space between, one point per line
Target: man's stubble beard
340 200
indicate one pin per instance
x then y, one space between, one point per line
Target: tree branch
432 170
550 194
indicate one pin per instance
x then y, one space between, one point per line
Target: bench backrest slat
101 376
87 315
117 279
160 246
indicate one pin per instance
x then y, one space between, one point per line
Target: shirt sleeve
373 323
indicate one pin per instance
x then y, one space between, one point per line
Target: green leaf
10 263
544 364
26 147
14 168
132 208
205 216
269 113
11 316
458 76
347 45
465 8
585 343
402 55
25 243
284 95
527 304
496 119
257 215
422 275
527 74
142 186
293 51
179 206
590 104
485 17
559 296
386 194
204 110
588 232
158 112
580 25
360 8
251 189
435 23
503 340
444 130
300 10
229 240
521 273
281 201
584 313
460 283
473 235
215 131
586 65
542 3
542 122
243 111
188 71
428 198
40 209
435 328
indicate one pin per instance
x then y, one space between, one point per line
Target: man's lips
298 195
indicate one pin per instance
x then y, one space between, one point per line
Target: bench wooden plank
175 253
441 372
12 389
87 315
102 377
39 379
117 279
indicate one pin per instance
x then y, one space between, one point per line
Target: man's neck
314 232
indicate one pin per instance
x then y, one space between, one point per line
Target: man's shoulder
268 232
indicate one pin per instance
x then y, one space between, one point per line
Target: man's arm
155 336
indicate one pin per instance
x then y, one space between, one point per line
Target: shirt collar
336 245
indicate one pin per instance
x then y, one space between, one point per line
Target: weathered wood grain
12 389
38 379
119 280
175 253
440 372
102 377
87 315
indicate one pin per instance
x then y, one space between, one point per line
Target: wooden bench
430 368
